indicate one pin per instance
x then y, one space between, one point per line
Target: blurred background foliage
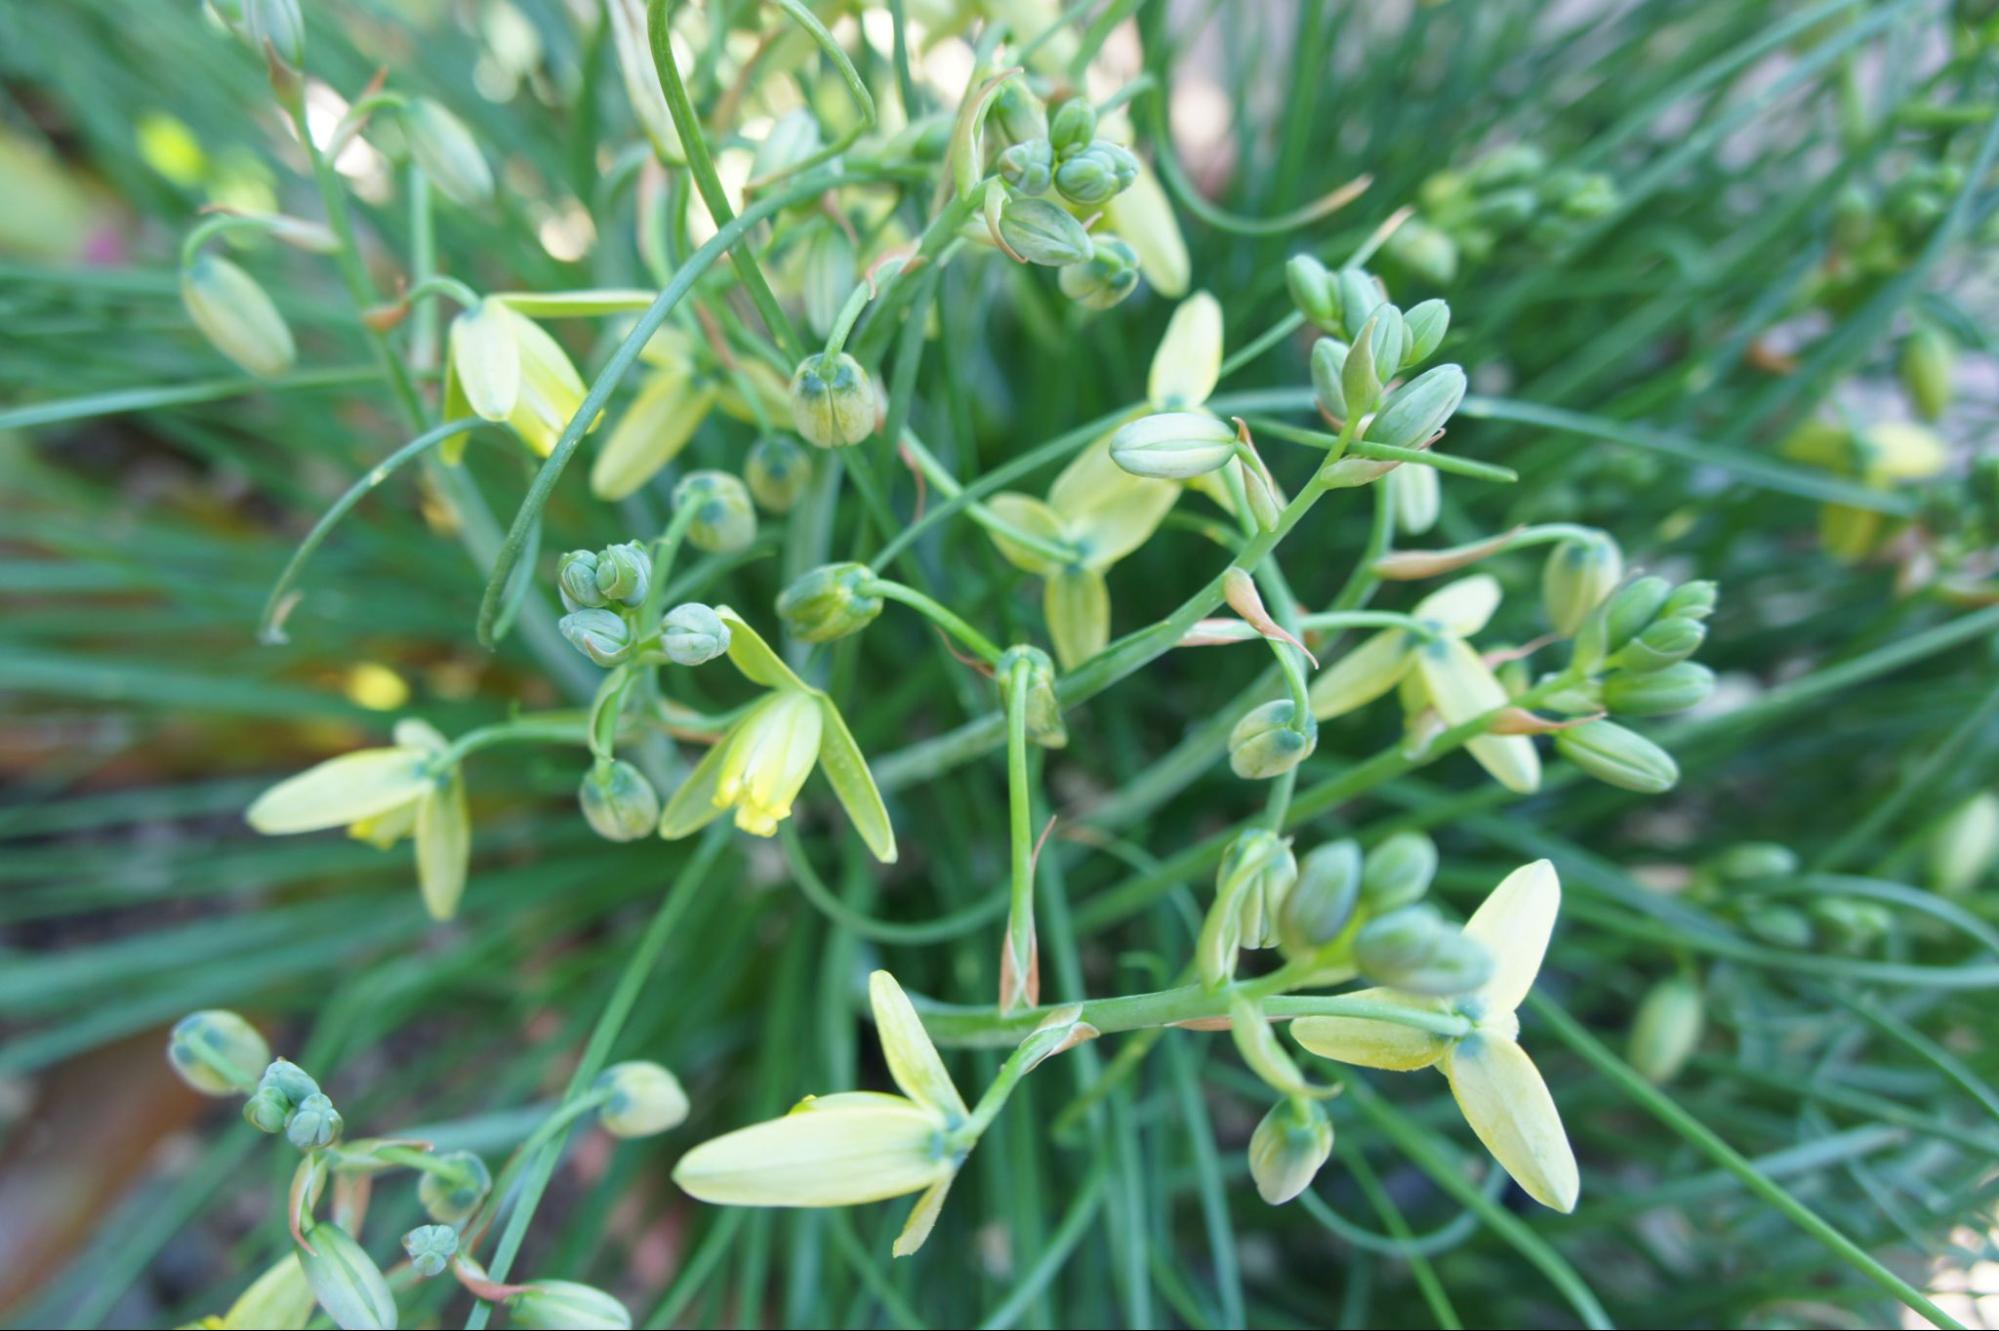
1778 196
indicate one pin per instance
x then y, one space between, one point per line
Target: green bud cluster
1414 949
288 1100
1371 342
1512 200
1105 278
1270 740
430 1249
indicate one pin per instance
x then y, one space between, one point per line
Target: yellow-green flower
852 1147
505 367
669 407
381 796
1497 1086
1881 457
278 1300
762 760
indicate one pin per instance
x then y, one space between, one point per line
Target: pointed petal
1033 517
1106 510
1462 607
487 359
1508 1106
839 1156
754 657
341 790
443 847
1077 605
1462 687
1362 675
1373 1044
922 1218
693 805
1189 359
912 1059
846 770
1514 924
655 427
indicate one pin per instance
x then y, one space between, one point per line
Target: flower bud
1658 692
1852 924
1928 366
1256 875
1779 925
1028 167
832 401
602 635
1634 605
1417 496
1418 409
618 802
1040 232
724 518
830 602
1096 175
1690 600
693 634
1667 642
1314 292
289 1080
345 1280
1321 903
1399 872
1329 366
1577 578
1288 1148
564 1304
1425 250
217 1052
279 25
447 153
1073 127
1044 709
1360 294
1751 861
1667 1029
1174 445
576 579
1619 757
623 571
1427 323
1412 949
777 472
1105 278
267 1109
314 1124
1017 113
1965 844
645 1099
1265 744
236 317
430 1248
453 1188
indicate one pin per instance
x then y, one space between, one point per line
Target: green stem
664 551
1020 939
945 618
547 728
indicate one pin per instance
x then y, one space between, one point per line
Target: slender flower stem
947 484
546 728
1019 980
664 550
945 618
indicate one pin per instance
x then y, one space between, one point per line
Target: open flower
852 1147
381 796
1497 1086
1452 677
505 367
762 760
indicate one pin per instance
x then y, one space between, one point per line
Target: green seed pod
1690 600
345 1280
623 573
1329 365
1174 445
644 1100
1965 845
1667 1029
430 1248
602 635
618 802
267 1109
1073 126
1029 167
725 520
1658 692
1751 861
1928 366
1634 606
1288 1148
832 400
1017 113
236 317
447 153
1419 408
1044 709
1322 902
1105 278
692 634
1399 872
1040 232
830 602
1619 757
451 1191
217 1052
1264 745
564 1304
1314 292
1427 324
1576 578
576 580
1360 294
1413 949
778 472
314 1124
1667 642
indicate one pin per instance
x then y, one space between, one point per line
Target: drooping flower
505 367
1497 1086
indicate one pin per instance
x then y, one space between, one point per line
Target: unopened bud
1314 292
725 520
1040 232
1852 924
1635 605
1658 692
602 635
623 572
1667 1029
1965 844
618 802
832 401
1266 743
279 25
1668 641
217 1052
1399 872
1417 496
1321 903
1752 861
830 602
430 1248
1028 167
1360 295
236 317
1173 445
1073 127
314 1124
1044 709
345 1280
1105 278
1288 1148
453 1188
1329 366
447 153
692 634
1619 757
1412 949
1577 578
1418 409
777 473
548 1305
1096 175
1928 366
1017 113
644 1100
1690 600
267 1109
1425 250
576 579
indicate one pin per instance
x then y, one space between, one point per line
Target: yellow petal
1462 607
912 1058
278 1300
1105 510
1507 1104
1373 1044
1377 665
1036 519
1895 451
443 847
1077 605
922 1218
487 359
846 770
750 654
768 760
551 390
651 433
342 790
1189 359
840 1155
1461 687
1514 924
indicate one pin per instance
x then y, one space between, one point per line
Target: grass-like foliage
996 663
